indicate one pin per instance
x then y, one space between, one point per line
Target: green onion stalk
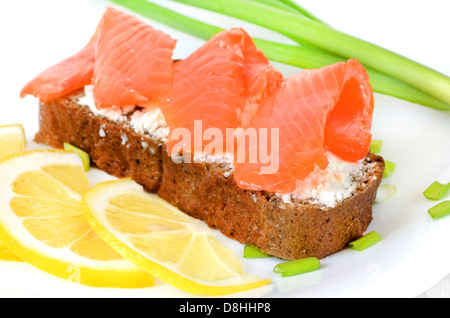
304 30
301 10
279 5
303 56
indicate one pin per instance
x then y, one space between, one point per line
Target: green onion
389 168
278 5
386 85
253 252
385 192
297 55
290 6
310 58
381 83
436 190
301 10
440 210
304 30
365 241
375 146
83 155
296 267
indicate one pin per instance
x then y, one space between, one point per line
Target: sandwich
279 163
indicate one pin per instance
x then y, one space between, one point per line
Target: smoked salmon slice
133 62
226 84
314 111
220 85
63 78
128 62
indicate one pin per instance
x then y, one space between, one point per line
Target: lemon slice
12 141
6 255
170 245
42 223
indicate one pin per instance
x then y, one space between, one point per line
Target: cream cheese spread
331 186
150 122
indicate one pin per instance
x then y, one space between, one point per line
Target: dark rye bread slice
116 149
207 191
261 219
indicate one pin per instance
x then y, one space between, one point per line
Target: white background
414 253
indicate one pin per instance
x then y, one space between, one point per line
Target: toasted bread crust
202 190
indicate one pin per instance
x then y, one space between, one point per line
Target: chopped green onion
303 56
253 252
385 192
296 267
365 241
389 168
436 191
304 30
440 210
375 146
83 155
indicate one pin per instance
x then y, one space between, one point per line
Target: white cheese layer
331 186
150 122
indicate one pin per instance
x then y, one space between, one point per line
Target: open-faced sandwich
279 163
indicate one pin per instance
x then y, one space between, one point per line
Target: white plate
414 252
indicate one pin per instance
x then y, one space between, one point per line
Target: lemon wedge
42 223
167 243
12 142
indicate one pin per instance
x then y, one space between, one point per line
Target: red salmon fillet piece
222 83
128 61
133 62
328 109
63 78
226 83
